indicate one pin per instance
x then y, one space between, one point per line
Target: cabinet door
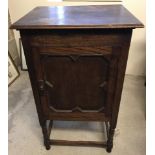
75 82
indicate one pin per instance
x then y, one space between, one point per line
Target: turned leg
46 135
110 140
110 135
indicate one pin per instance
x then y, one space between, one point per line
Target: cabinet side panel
29 61
121 68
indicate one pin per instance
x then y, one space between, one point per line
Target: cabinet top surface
75 17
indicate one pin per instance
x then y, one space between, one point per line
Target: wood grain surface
60 17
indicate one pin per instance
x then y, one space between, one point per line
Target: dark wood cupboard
76 58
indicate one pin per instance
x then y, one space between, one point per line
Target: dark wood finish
78 143
66 17
76 58
77 116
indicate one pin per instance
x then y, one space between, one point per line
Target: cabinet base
48 142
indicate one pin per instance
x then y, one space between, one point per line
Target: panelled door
79 80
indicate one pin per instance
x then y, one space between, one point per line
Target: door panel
79 82
75 83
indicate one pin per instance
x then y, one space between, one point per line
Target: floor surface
25 136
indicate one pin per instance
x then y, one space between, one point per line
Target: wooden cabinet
76 57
